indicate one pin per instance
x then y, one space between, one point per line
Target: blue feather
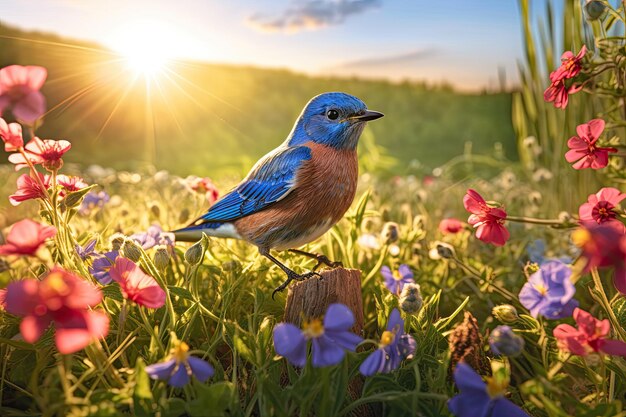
272 178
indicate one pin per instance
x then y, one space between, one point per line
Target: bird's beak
369 115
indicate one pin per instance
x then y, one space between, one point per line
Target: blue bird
298 191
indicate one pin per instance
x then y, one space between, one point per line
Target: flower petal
325 352
290 343
162 370
614 347
180 377
30 108
201 369
373 363
338 317
504 407
468 380
32 327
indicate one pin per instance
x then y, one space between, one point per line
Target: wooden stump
310 298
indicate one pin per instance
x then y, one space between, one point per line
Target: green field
217 120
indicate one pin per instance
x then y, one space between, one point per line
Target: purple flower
478 399
550 291
503 341
152 237
87 251
101 266
330 339
178 370
93 200
394 347
394 281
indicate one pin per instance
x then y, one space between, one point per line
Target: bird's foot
320 258
291 276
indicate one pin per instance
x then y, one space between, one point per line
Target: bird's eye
332 114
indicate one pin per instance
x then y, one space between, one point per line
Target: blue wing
270 180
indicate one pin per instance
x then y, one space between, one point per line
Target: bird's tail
194 232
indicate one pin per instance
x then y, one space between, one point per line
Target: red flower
602 208
28 188
488 221
603 246
559 93
570 65
204 185
11 134
19 89
450 226
25 238
47 152
583 147
61 298
136 285
590 336
71 184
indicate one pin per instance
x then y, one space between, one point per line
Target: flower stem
532 220
607 305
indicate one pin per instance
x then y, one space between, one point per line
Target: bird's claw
323 260
297 277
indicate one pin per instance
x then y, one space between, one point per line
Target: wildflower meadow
488 288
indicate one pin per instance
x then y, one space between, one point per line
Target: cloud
311 15
407 58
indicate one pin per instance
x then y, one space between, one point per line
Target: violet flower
550 291
180 367
394 281
101 266
152 237
393 348
330 338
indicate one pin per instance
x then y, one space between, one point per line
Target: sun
144 46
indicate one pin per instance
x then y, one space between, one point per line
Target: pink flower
71 183
583 147
136 285
47 152
603 246
602 208
450 226
11 135
204 185
559 93
25 238
589 337
570 65
488 221
19 89
28 188
61 298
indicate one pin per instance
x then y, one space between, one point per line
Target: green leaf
215 400
181 292
142 395
74 198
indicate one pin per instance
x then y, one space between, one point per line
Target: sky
461 42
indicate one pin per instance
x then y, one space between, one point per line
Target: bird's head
332 119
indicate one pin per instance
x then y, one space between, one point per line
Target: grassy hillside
216 119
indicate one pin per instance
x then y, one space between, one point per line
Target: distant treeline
210 119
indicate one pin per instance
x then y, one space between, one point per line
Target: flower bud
131 250
193 255
503 341
161 257
441 250
535 198
155 209
411 301
565 217
390 233
117 239
231 266
183 216
505 313
594 9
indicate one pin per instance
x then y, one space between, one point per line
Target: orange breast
325 188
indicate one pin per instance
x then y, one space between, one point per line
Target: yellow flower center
541 288
581 237
495 389
387 338
55 282
397 276
181 352
313 328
